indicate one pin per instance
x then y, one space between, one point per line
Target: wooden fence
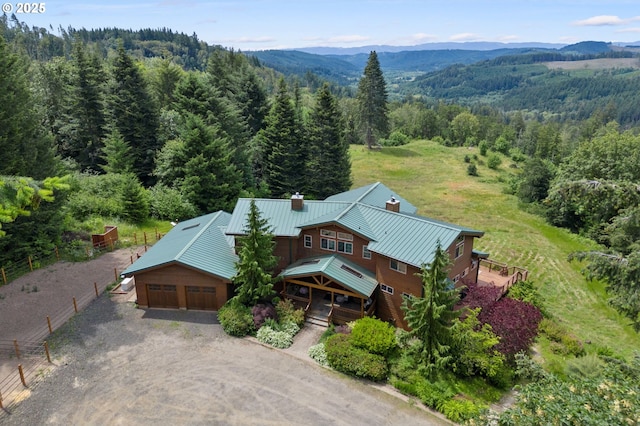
28 356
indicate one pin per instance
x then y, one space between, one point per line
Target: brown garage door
162 296
202 298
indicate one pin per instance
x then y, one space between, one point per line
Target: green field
434 179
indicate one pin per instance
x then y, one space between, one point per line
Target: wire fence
26 360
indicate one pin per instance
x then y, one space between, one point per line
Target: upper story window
398 266
327 233
345 236
344 247
328 244
366 254
459 246
308 241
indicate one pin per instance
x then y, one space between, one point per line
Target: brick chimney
393 205
297 201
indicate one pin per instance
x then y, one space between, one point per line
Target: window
465 272
366 254
456 278
308 241
386 288
327 233
398 266
345 247
327 244
459 246
343 236
405 295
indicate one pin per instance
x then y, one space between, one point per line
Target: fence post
17 348
135 238
95 286
1 406
46 351
22 375
75 305
115 274
157 236
30 264
4 277
49 324
145 238
131 257
57 253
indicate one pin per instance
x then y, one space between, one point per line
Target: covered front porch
330 289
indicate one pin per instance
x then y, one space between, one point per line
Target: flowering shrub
261 312
278 336
318 354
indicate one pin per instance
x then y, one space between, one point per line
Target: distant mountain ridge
471 45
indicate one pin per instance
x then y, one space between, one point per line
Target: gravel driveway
118 365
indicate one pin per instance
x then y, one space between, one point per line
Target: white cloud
629 30
465 37
508 38
601 20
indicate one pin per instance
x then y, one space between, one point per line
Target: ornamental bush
235 318
280 337
318 354
343 356
460 410
287 312
373 335
261 312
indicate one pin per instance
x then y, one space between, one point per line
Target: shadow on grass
196 317
399 152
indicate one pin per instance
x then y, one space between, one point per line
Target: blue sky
275 24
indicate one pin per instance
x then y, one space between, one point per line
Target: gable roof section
376 194
199 243
337 268
283 221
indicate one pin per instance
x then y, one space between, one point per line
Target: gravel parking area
120 365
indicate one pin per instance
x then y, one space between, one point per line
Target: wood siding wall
181 277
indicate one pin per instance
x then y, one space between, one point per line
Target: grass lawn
434 179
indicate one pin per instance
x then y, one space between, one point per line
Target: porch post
361 308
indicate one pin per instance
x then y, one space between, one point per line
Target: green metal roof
337 268
376 194
284 221
199 243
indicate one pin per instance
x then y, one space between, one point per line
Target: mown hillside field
434 178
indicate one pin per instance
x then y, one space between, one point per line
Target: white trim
401 267
327 233
345 236
365 251
308 241
345 245
329 242
386 288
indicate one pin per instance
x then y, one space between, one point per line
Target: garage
162 296
201 298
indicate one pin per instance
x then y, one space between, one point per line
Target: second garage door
203 298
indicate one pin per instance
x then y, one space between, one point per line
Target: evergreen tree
164 82
116 154
135 200
26 149
134 114
283 152
329 165
430 317
86 116
372 101
254 279
210 179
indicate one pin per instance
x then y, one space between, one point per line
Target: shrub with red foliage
475 296
261 312
515 322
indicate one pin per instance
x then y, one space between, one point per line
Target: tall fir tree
328 164
25 146
430 317
256 261
283 151
86 115
211 181
116 154
372 101
135 115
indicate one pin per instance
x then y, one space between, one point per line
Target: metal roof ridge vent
297 201
373 186
195 237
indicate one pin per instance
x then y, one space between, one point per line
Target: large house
353 254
